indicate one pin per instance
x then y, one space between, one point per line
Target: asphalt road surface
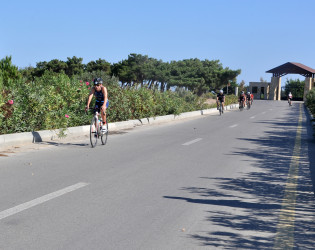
243 180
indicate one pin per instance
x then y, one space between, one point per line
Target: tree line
198 76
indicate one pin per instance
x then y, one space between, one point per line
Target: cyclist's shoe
104 129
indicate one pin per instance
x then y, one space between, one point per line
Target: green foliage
296 87
55 101
310 101
8 72
53 95
99 65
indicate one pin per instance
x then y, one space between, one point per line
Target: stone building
272 90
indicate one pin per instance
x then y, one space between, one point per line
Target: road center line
40 200
252 117
285 230
233 126
191 142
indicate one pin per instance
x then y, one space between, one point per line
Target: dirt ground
210 101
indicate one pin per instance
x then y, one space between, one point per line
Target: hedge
55 101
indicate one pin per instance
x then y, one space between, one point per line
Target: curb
52 135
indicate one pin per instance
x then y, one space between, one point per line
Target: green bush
55 101
310 101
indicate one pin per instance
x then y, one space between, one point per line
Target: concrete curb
52 135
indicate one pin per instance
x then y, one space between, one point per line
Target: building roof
292 68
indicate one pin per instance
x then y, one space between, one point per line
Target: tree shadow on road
244 212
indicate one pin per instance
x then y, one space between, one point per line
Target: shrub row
310 101
56 101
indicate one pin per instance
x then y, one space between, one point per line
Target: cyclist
101 103
221 99
242 100
249 98
290 98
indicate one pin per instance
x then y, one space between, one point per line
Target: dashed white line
40 200
252 117
191 142
233 126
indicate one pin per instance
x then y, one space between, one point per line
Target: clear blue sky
251 35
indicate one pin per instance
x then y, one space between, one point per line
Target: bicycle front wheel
93 132
104 136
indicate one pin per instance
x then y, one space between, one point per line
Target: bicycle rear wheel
104 136
93 132
248 105
242 106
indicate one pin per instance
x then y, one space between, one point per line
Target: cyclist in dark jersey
221 99
101 100
242 99
248 97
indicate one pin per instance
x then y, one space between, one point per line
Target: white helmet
221 91
248 93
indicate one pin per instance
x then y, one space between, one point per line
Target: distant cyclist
221 99
242 100
101 103
249 98
290 98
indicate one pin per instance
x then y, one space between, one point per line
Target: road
239 181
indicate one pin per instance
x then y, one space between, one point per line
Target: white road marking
252 117
233 126
191 142
40 200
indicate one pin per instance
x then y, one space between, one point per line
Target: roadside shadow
80 141
243 213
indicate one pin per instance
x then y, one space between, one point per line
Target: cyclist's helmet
98 81
242 92
221 91
248 93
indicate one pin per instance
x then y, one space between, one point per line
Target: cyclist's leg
103 113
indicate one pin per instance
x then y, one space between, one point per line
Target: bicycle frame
95 130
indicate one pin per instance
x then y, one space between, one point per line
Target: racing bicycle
221 108
248 103
96 129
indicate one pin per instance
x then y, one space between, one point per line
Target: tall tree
75 66
99 65
8 71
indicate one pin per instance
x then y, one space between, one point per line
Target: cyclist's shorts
98 106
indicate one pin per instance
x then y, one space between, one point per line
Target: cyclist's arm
104 90
90 98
